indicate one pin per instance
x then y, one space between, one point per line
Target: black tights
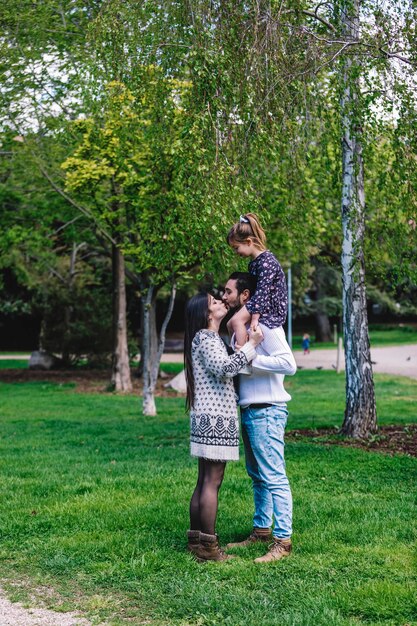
204 501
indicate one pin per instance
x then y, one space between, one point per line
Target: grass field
13 364
94 513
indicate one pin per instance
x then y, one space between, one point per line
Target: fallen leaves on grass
389 439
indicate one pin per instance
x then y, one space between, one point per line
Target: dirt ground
14 614
389 439
86 381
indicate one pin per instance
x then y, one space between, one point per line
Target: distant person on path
211 400
263 402
269 303
306 343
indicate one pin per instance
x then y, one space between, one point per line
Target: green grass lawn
172 368
95 499
13 364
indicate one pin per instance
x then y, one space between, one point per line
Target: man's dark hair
244 280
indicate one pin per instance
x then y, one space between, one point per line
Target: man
263 401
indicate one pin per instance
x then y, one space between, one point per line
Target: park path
397 360
15 614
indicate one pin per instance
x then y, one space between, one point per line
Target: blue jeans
263 436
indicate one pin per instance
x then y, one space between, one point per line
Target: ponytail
248 226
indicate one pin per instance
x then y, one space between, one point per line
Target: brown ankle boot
277 550
209 550
193 537
257 535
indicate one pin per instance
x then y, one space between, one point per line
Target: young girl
269 303
306 343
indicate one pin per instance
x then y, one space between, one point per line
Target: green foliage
76 312
47 263
144 173
187 117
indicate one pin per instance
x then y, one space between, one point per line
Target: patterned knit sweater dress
214 416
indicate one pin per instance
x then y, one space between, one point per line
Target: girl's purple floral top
270 298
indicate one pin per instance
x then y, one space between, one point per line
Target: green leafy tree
49 251
134 170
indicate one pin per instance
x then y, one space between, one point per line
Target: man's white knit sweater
273 361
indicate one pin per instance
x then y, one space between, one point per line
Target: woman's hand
255 336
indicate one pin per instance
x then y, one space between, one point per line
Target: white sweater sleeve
278 358
219 363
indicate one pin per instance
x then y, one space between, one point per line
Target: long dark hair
196 318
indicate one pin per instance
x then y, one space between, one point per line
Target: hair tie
244 220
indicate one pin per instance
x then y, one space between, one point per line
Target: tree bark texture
152 351
323 329
148 306
121 379
360 413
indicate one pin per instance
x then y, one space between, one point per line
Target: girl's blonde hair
248 226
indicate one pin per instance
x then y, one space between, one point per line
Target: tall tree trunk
150 358
148 400
121 379
42 332
323 330
320 277
360 413
69 309
153 330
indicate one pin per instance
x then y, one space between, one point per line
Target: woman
211 401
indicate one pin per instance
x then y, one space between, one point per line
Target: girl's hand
255 321
255 336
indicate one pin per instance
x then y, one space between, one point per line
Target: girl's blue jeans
263 436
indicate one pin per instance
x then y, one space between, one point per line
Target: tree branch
67 224
80 208
320 19
164 326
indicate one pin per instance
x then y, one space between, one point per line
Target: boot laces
277 546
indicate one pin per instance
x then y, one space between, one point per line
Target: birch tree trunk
150 359
121 379
148 399
360 413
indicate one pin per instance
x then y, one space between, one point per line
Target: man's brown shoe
277 550
193 537
257 535
209 549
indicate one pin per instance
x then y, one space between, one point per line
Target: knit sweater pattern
214 416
